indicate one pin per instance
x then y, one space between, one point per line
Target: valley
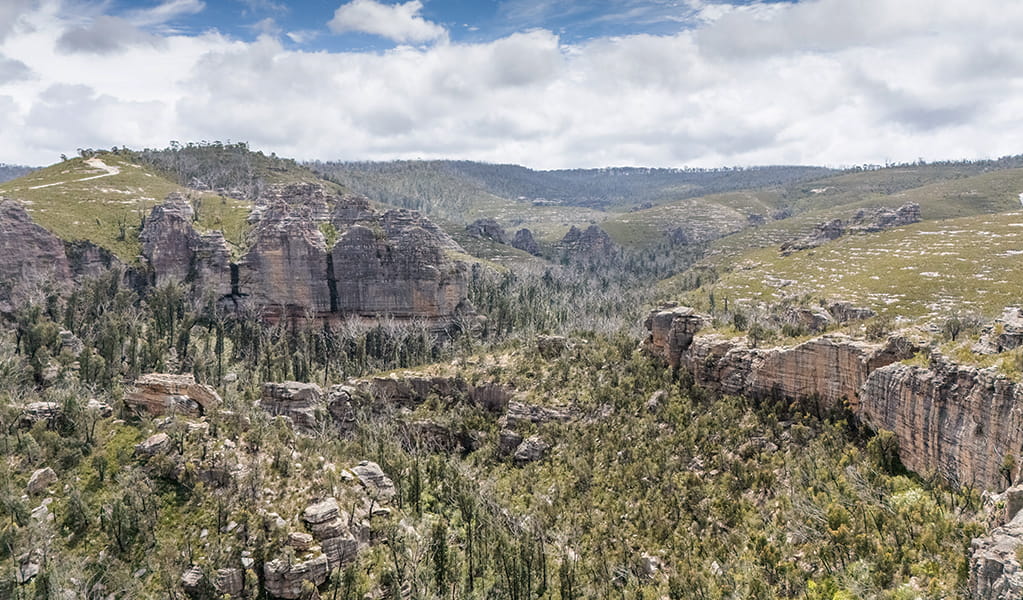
227 374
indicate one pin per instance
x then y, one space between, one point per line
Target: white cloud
398 22
165 11
828 81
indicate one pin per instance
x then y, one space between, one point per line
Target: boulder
846 312
40 480
321 512
283 579
995 571
160 393
531 449
378 486
520 413
508 441
153 445
295 400
193 581
551 346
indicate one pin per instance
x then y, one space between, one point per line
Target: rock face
285 271
33 257
297 401
959 421
396 263
177 253
284 580
671 332
1006 333
995 571
159 393
488 229
525 241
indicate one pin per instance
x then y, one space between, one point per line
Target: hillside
104 199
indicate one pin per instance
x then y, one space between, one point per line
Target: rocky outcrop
1005 333
283 578
995 572
960 422
864 221
671 332
487 229
33 258
177 253
300 402
592 242
525 241
846 312
160 393
378 486
40 480
89 260
285 272
330 526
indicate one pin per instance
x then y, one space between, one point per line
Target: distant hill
9 172
608 189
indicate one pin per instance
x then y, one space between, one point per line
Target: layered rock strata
958 421
314 255
160 393
33 258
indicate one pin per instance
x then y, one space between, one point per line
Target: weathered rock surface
531 449
525 241
40 480
957 421
160 393
330 526
153 445
284 580
33 257
297 401
39 411
846 312
671 332
995 572
1005 333
488 229
378 485
285 271
230 582
520 413
177 253
89 260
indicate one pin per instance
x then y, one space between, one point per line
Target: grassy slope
97 209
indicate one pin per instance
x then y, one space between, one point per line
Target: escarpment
308 260
963 423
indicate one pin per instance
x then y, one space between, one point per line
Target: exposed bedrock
308 259
958 421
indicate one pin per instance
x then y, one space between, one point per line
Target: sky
542 83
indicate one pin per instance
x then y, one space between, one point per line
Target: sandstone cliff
396 263
957 421
34 258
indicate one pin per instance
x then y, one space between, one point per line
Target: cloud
816 82
13 70
105 35
399 22
11 12
165 12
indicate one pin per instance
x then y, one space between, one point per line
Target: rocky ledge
957 421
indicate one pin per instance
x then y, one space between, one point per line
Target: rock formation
285 271
525 241
297 401
995 570
593 242
283 578
177 253
159 393
960 422
864 221
34 258
487 229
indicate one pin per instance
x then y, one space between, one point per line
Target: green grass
970 263
109 210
